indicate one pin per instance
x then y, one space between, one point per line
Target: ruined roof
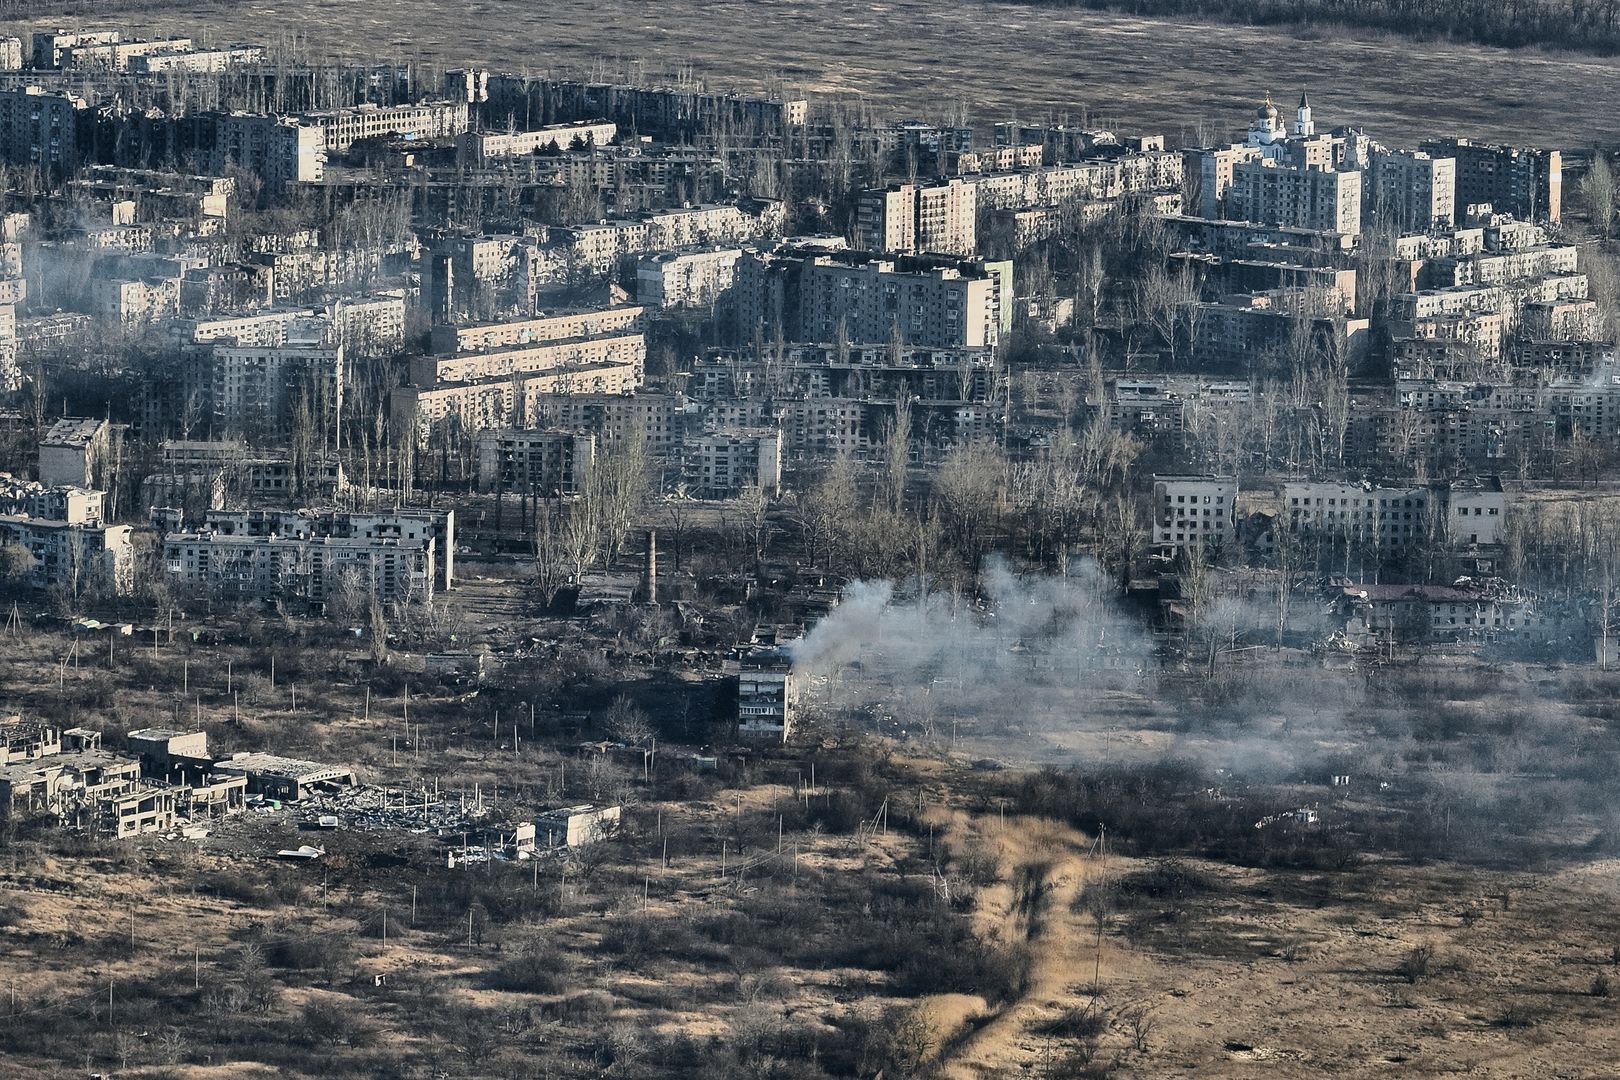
73 432
1432 594
282 767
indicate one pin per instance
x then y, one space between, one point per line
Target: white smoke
1029 647
1056 668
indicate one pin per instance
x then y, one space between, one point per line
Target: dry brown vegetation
1124 918
995 59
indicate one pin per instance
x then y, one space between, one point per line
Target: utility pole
1102 853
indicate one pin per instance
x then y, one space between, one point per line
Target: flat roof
573 811
284 767
72 432
160 733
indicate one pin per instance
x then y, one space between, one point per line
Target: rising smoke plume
1030 650
1046 668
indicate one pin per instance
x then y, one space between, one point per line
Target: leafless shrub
1418 964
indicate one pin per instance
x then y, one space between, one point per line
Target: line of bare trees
879 521
591 529
1585 25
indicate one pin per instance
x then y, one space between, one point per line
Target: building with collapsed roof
26 740
288 779
94 790
767 694
1467 610
61 502
72 451
67 775
571 826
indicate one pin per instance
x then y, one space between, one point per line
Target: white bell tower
1304 126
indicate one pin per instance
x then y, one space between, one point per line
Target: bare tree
827 511
968 493
1215 622
1597 192
627 722
897 453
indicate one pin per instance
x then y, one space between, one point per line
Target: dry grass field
995 58
972 912
1246 972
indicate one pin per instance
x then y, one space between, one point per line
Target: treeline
1585 25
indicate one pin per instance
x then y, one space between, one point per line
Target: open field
905 911
995 59
1202 967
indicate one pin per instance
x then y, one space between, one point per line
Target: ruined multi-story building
1527 183
818 296
547 462
939 217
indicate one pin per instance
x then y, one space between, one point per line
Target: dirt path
1042 868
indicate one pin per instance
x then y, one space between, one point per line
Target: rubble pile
375 809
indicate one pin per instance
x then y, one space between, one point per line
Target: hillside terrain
991 59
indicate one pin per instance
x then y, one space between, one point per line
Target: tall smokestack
649 585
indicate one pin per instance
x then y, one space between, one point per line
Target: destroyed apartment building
307 555
767 693
67 775
165 778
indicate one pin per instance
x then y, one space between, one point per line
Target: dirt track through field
996 59
1042 870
